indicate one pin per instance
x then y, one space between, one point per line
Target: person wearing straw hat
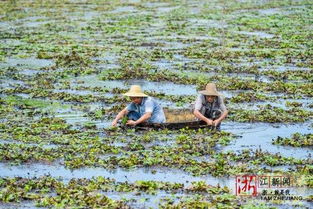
209 106
142 109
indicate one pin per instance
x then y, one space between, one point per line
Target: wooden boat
175 119
173 125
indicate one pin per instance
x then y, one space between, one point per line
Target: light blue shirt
148 104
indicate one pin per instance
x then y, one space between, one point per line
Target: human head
210 98
136 100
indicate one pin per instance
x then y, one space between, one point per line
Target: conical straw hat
135 91
210 90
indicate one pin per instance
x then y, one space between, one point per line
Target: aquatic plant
270 114
296 140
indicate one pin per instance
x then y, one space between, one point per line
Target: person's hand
114 123
131 123
216 122
209 122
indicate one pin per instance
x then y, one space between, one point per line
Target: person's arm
119 116
142 119
222 117
198 114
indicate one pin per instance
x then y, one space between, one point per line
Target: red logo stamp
248 185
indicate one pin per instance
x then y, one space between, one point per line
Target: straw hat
135 91
210 90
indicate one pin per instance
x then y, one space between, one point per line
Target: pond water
282 68
10 83
32 63
79 118
22 205
207 23
163 87
120 175
257 33
126 9
11 42
260 135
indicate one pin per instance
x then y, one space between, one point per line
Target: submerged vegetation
65 64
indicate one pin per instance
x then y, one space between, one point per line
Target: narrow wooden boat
176 119
173 125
